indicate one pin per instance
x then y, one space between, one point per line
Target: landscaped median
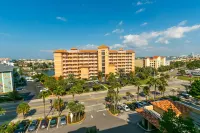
79 118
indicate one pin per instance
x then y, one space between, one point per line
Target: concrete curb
112 113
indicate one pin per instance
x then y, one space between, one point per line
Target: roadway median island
76 118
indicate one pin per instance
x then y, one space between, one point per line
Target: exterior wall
6 82
111 69
155 62
102 59
158 110
58 64
84 73
139 63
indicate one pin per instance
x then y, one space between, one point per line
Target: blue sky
33 28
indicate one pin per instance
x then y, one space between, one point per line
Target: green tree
154 82
100 76
195 89
58 105
92 130
23 108
2 111
50 83
76 89
146 91
59 91
14 95
138 84
162 89
170 123
43 95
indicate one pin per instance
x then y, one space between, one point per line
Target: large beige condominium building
86 63
154 62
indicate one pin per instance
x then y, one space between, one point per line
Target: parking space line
48 124
101 110
58 122
104 114
38 126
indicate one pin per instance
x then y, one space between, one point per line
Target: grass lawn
187 78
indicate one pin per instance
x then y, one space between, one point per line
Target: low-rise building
152 114
6 78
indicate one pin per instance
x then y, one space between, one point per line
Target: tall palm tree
138 84
81 109
146 91
173 91
154 82
2 111
100 76
58 104
162 89
76 89
59 91
23 108
43 95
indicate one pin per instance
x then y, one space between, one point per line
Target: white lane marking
95 105
101 110
92 116
104 114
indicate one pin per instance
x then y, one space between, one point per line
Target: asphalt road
92 101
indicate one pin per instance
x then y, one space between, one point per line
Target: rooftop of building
91 51
6 68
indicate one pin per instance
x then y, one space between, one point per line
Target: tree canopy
195 89
170 123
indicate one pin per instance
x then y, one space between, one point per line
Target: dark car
131 106
33 126
22 127
53 122
44 124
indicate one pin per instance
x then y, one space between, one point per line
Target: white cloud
107 34
139 3
116 46
144 24
143 39
120 23
182 23
143 2
140 10
89 46
61 18
118 31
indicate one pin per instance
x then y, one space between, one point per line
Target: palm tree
154 82
146 91
121 72
76 89
2 111
100 76
138 84
173 91
59 91
23 108
58 105
43 95
81 109
162 89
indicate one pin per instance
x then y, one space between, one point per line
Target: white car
44 89
125 107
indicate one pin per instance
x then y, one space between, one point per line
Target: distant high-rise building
86 63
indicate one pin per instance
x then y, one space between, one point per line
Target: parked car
125 107
185 95
119 107
22 127
63 120
53 122
131 106
19 88
141 104
33 126
44 123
